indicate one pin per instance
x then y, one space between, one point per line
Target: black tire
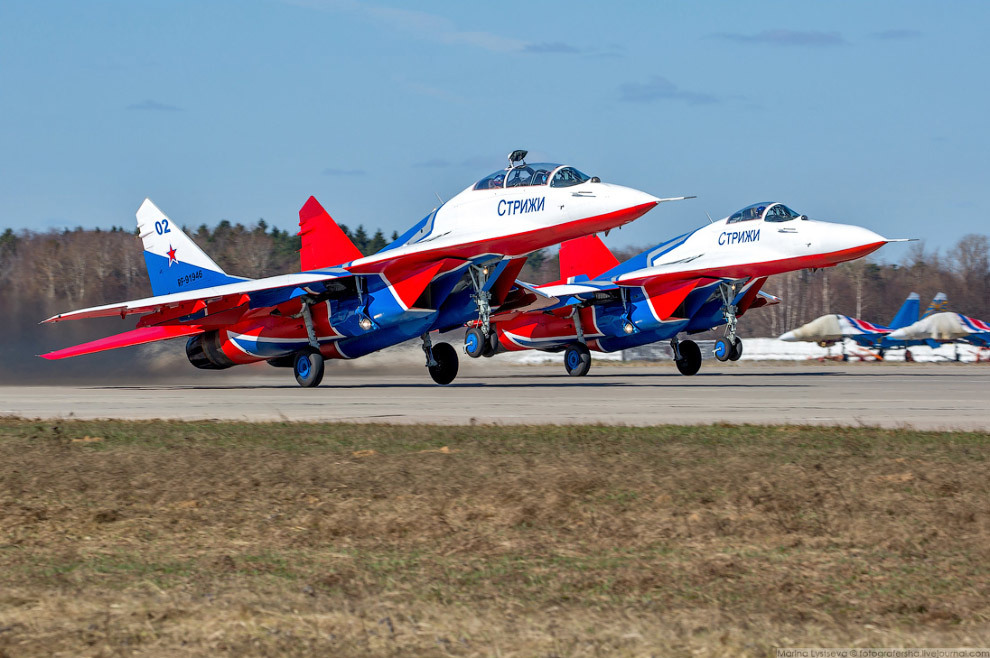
308 368
737 349
475 342
491 345
722 349
446 369
690 361
577 360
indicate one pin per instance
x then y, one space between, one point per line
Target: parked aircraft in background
940 328
692 283
458 263
833 328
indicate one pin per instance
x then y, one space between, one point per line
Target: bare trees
43 273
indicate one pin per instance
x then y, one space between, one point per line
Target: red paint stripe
516 244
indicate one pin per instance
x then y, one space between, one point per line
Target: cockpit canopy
768 211
532 174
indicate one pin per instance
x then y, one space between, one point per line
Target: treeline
45 273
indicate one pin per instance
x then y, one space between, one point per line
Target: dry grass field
204 539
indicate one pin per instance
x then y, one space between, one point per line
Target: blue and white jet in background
835 328
941 328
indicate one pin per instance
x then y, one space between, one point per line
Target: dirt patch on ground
286 539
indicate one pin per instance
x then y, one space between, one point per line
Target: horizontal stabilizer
126 339
324 244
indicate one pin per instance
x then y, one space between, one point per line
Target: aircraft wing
256 292
139 336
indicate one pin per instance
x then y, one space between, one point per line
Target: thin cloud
551 48
435 163
800 38
154 106
331 171
659 88
421 24
896 35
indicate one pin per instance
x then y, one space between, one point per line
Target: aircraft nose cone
627 197
848 242
897 334
789 337
865 236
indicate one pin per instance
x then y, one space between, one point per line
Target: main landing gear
308 368
307 365
577 357
729 347
687 356
441 360
577 360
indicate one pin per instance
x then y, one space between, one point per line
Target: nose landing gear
476 343
729 347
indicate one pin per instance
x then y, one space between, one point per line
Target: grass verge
160 538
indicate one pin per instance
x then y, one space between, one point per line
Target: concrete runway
925 396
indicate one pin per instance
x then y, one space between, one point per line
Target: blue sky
866 112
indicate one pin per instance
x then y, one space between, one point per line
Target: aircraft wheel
737 349
474 342
722 349
577 360
308 368
491 345
690 361
446 369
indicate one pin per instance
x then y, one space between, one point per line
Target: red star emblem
171 256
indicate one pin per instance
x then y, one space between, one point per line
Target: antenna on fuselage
517 158
710 220
439 199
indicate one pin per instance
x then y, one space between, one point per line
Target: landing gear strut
482 298
577 358
441 360
687 356
307 366
729 347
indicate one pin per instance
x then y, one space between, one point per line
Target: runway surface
925 396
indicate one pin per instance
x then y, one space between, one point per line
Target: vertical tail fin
908 313
940 304
586 256
174 261
324 244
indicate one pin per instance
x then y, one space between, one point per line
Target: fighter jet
456 264
834 328
692 283
941 328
